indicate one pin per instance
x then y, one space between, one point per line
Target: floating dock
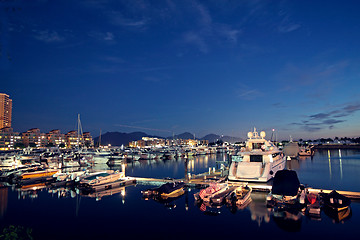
204 180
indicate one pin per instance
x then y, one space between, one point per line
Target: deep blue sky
219 67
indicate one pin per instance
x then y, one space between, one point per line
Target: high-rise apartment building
5 110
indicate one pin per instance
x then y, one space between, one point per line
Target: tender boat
167 190
286 191
336 206
240 196
313 208
206 194
258 161
219 197
306 151
335 201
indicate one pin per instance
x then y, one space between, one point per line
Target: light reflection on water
122 212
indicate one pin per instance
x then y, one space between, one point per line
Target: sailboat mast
100 139
80 132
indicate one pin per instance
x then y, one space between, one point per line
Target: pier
205 179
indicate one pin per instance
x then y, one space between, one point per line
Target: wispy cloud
117 18
196 40
246 93
102 36
286 24
206 30
328 120
320 77
48 36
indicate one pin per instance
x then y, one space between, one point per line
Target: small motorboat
335 201
306 151
336 206
206 193
38 174
313 208
167 190
286 190
240 196
219 197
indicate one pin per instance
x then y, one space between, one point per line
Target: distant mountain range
118 138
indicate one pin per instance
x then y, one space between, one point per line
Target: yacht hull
255 172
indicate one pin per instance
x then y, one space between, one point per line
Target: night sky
167 66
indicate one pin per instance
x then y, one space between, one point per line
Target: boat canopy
286 183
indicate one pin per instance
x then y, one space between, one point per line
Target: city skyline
168 67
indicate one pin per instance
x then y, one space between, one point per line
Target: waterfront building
88 140
9 139
5 110
55 138
191 142
204 142
34 138
148 142
159 142
73 140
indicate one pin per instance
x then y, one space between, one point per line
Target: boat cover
170 187
286 183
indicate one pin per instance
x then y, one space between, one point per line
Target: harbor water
42 213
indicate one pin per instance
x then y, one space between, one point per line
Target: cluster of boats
60 158
288 194
257 162
37 176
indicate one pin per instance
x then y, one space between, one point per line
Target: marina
124 199
171 94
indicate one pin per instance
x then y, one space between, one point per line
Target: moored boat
206 193
219 198
167 190
306 151
258 161
335 201
240 196
336 206
38 174
99 178
286 192
313 208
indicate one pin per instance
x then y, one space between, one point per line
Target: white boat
258 161
207 193
99 178
306 151
7 162
291 150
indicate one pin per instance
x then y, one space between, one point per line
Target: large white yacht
258 161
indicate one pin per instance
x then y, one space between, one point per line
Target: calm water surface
51 214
